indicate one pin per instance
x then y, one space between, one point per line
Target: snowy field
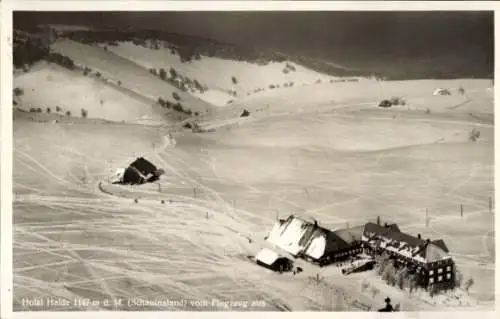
324 151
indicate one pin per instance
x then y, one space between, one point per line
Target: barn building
307 240
429 260
139 172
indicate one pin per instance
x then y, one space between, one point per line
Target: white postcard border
7 6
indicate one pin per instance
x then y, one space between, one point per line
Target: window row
440 270
440 278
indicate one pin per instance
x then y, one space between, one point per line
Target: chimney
419 236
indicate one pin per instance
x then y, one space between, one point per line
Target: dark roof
144 166
333 241
393 232
440 243
350 235
394 227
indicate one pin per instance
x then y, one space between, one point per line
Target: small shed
442 92
271 260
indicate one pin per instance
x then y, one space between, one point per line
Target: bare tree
389 274
364 285
458 278
382 262
412 282
401 277
468 284
474 135
432 290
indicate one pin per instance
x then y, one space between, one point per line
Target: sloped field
54 89
130 75
217 73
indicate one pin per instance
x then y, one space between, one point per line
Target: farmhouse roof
350 235
297 234
335 242
267 256
440 243
406 244
144 166
393 232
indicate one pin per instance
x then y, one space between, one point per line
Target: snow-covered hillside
128 74
222 75
57 90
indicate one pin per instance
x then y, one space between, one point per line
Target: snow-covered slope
54 89
128 74
217 74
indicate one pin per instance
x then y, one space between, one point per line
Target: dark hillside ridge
193 47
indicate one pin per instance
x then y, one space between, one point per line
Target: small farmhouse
428 259
140 171
442 92
308 240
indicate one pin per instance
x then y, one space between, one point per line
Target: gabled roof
440 243
144 166
407 244
267 256
350 235
335 243
393 232
296 234
394 227
435 253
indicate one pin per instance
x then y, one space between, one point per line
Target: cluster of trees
474 135
289 68
18 91
84 113
395 275
403 277
176 106
175 79
195 127
61 60
28 50
86 70
343 80
271 86
395 100
232 93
